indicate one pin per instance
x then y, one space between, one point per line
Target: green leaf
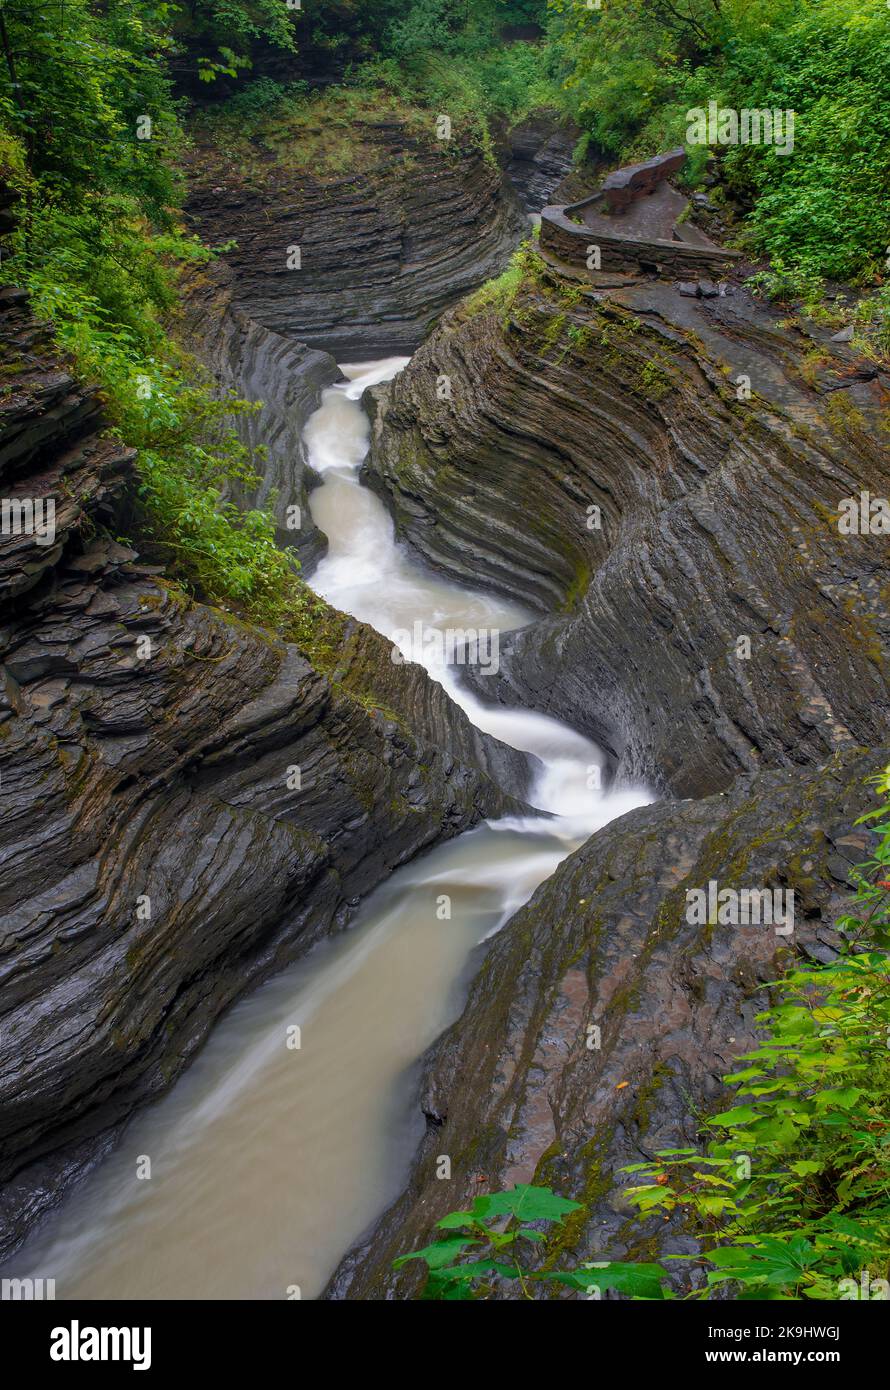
455 1220
843 1098
526 1203
640 1281
439 1254
739 1115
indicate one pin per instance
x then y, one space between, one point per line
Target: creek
268 1160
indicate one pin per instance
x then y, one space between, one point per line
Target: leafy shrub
785 286
872 315
105 287
98 249
483 1243
634 68
230 29
792 1193
790 1197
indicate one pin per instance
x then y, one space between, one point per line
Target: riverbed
267 1159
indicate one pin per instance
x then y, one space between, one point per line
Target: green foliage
263 98
83 81
816 1206
500 293
98 245
506 84
503 81
322 131
486 1242
630 72
446 54
103 308
230 29
455 28
633 69
99 251
825 207
787 286
791 1195
872 323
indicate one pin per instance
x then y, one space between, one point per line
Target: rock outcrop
285 378
357 264
661 476
538 158
514 1093
188 803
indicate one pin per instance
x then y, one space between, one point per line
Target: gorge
296 907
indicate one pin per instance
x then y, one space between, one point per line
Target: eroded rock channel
569 399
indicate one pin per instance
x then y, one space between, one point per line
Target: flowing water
268 1160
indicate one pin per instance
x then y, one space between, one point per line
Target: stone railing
572 243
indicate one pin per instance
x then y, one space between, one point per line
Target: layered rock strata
188 803
357 264
514 1092
283 379
666 478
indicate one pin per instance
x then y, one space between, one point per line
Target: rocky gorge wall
282 377
538 158
163 782
384 247
157 854
514 1094
658 469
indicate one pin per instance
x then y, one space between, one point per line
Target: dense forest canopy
76 77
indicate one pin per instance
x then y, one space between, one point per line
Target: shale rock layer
662 476
514 1093
188 802
283 379
382 250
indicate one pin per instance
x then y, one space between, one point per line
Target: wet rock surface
384 248
156 855
514 1090
188 802
538 158
284 376
661 476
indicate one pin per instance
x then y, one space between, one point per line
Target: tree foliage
632 70
90 133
